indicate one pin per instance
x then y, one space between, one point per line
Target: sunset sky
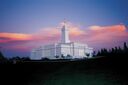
26 24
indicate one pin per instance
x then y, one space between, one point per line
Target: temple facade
63 50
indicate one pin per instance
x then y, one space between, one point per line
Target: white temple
64 50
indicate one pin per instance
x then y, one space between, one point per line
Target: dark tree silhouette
25 59
62 56
98 54
2 58
114 52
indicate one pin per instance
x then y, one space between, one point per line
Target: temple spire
64 33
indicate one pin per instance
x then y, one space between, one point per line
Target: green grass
79 74
96 71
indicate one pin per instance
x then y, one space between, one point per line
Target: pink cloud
107 36
107 33
96 36
8 37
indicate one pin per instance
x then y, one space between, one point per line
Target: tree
45 59
125 46
68 56
87 54
125 49
62 56
2 58
57 56
98 54
94 53
25 58
115 51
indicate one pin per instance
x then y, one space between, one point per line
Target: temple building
63 50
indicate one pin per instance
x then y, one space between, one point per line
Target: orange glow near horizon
94 34
109 28
14 37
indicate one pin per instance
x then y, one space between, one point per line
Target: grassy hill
96 71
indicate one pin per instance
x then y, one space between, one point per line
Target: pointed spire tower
65 34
